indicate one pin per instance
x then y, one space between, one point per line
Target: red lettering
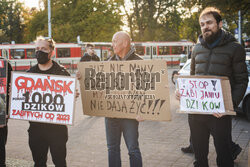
193 83
23 82
182 92
66 87
27 114
203 85
39 84
63 117
47 85
14 112
57 86
217 95
49 116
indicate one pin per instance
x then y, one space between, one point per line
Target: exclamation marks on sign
150 102
156 103
214 83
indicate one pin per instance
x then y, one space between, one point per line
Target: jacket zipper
209 62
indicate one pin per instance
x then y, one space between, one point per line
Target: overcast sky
30 3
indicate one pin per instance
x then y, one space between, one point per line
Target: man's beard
211 38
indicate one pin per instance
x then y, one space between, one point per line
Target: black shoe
187 149
236 151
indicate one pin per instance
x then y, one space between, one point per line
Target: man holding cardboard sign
121 43
122 89
217 53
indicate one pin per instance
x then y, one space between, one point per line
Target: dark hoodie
227 58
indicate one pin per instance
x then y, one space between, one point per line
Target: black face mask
42 57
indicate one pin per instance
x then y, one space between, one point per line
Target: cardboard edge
74 105
228 112
202 76
10 97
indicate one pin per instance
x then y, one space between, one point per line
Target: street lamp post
49 19
239 27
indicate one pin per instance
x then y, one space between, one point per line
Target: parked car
244 106
245 103
185 70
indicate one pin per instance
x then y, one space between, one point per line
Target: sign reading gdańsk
42 98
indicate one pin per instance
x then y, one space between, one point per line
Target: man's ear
52 53
220 24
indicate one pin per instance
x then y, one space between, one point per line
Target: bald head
122 36
121 43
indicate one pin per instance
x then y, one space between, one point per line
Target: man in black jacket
216 53
115 127
4 128
89 55
45 136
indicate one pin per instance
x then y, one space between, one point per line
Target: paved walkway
160 142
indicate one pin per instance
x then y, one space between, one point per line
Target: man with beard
216 53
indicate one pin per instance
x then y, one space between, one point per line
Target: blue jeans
129 127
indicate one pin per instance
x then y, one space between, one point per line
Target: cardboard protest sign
125 89
3 90
42 98
205 95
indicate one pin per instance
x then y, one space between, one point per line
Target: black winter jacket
227 58
87 57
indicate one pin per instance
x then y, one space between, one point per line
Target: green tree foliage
98 20
11 27
171 20
94 20
153 20
229 10
190 27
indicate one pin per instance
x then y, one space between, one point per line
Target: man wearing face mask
216 53
45 136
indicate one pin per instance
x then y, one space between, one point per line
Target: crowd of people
216 53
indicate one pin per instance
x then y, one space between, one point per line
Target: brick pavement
160 142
